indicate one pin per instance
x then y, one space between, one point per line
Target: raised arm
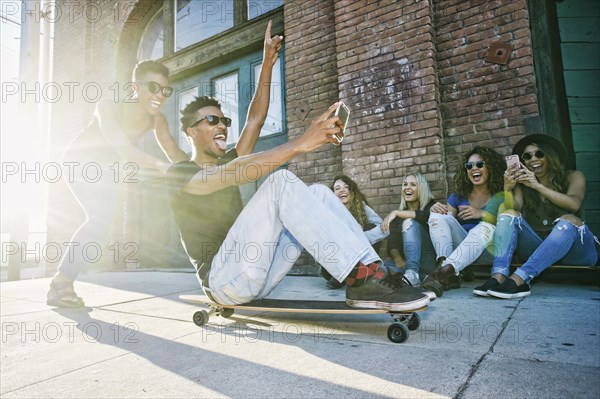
251 167
513 198
259 106
166 141
107 113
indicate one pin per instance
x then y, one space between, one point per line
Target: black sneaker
324 273
433 285
382 294
441 279
483 289
467 275
509 289
332 283
399 279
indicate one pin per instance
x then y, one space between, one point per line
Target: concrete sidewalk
137 339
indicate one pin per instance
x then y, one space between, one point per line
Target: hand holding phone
512 162
343 113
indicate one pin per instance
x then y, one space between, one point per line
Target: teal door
579 27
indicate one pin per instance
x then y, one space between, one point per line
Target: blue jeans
100 195
283 217
566 244
418 249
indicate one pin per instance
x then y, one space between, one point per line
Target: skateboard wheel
414 322
227 313
200 318
397 333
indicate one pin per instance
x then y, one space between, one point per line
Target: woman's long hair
425 195
495 165
357 202
557 179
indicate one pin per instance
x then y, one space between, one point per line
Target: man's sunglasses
539 154
214 120
154 88
478 164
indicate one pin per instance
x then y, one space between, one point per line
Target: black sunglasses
539 154
214 120
154 88
478 164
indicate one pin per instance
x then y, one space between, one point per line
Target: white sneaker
413 277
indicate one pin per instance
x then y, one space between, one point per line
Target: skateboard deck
397 332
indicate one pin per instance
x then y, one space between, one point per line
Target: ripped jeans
461 248
566 244
418 248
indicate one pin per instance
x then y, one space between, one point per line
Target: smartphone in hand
513 160
342 112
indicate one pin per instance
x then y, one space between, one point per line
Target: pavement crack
475 367
140 314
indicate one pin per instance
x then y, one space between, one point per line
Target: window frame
246 37
203 82
147 26
254 81
240 21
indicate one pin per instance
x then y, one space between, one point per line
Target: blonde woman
409 244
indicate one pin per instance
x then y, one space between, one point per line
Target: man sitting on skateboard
242 253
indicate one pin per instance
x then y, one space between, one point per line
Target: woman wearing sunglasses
355 201
106 153
464 228
541 218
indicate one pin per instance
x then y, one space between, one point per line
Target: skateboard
398 331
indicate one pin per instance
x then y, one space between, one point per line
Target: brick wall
412 72
387 75
311 87
311 81
483 103
421 94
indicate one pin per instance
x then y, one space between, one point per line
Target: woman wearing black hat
541 220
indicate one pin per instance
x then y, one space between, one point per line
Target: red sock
362 272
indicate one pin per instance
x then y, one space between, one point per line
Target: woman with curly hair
355 201
464 228
540 221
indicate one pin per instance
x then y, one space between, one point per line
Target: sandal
62 295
